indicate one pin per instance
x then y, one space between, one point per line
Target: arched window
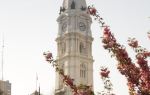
82 70
73 5
81 47
63 49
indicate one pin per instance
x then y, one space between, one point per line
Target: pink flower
106 30
48 56
104 72
92 11
146 54
133 43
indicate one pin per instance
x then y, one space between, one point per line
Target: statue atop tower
74 4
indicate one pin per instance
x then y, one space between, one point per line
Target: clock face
82 26
64 27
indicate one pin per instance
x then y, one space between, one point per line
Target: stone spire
74 4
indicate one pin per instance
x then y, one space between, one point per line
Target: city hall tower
74 45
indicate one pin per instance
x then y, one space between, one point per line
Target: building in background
36 93
74 45
5 87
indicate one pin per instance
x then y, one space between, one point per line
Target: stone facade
74 45
5 86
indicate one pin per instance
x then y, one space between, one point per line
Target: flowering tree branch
141 56
77 90
104 73
138 77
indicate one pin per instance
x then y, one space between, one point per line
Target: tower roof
74 4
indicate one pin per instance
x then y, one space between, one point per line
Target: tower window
81 47
82 71
63 48
83 8
73 5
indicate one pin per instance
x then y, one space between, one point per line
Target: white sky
30 28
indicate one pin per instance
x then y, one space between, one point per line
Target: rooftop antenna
2 56
39 89
36 80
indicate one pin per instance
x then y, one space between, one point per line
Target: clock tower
74 45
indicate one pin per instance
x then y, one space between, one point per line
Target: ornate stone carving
62 9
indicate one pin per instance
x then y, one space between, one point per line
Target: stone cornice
89 59
73 35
